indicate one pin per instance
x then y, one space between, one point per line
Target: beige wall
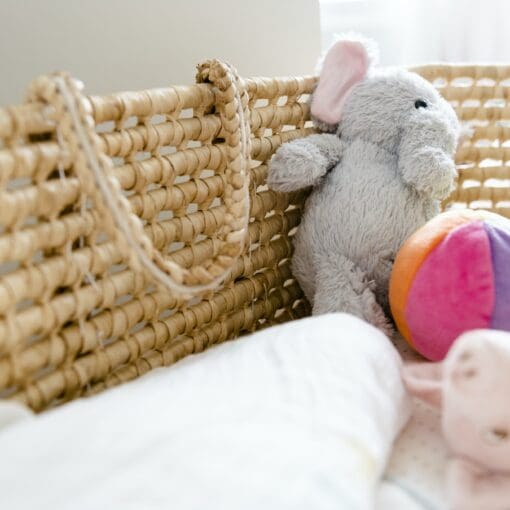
132 44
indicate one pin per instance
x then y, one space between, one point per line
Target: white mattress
296 417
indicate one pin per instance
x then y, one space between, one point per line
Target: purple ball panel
500 252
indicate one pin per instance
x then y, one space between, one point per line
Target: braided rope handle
95 172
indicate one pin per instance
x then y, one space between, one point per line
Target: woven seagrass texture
79 313
76 313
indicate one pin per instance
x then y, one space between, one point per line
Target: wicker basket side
75 318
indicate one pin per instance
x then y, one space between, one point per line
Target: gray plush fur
377 179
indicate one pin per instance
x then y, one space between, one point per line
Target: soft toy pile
378 172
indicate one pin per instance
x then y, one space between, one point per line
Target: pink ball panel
452 292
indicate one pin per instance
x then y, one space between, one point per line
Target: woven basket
137 228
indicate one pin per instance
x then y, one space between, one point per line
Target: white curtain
416 31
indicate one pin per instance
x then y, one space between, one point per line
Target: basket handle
95 172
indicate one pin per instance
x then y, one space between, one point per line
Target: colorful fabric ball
451 276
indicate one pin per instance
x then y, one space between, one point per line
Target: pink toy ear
345 65
424 380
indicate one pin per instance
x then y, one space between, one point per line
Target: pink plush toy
472 387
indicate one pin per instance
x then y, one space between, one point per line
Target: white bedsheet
302 416
415 475
417 466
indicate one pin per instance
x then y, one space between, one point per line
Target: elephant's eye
420 103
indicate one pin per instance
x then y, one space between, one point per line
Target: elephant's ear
425 381
345 65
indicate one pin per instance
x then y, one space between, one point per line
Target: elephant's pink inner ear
345 65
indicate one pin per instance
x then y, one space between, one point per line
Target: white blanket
302 416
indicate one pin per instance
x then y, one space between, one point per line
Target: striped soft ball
450 276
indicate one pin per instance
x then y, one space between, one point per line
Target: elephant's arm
430 171
303 162
425 159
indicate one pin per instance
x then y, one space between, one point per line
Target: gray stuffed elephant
378 172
